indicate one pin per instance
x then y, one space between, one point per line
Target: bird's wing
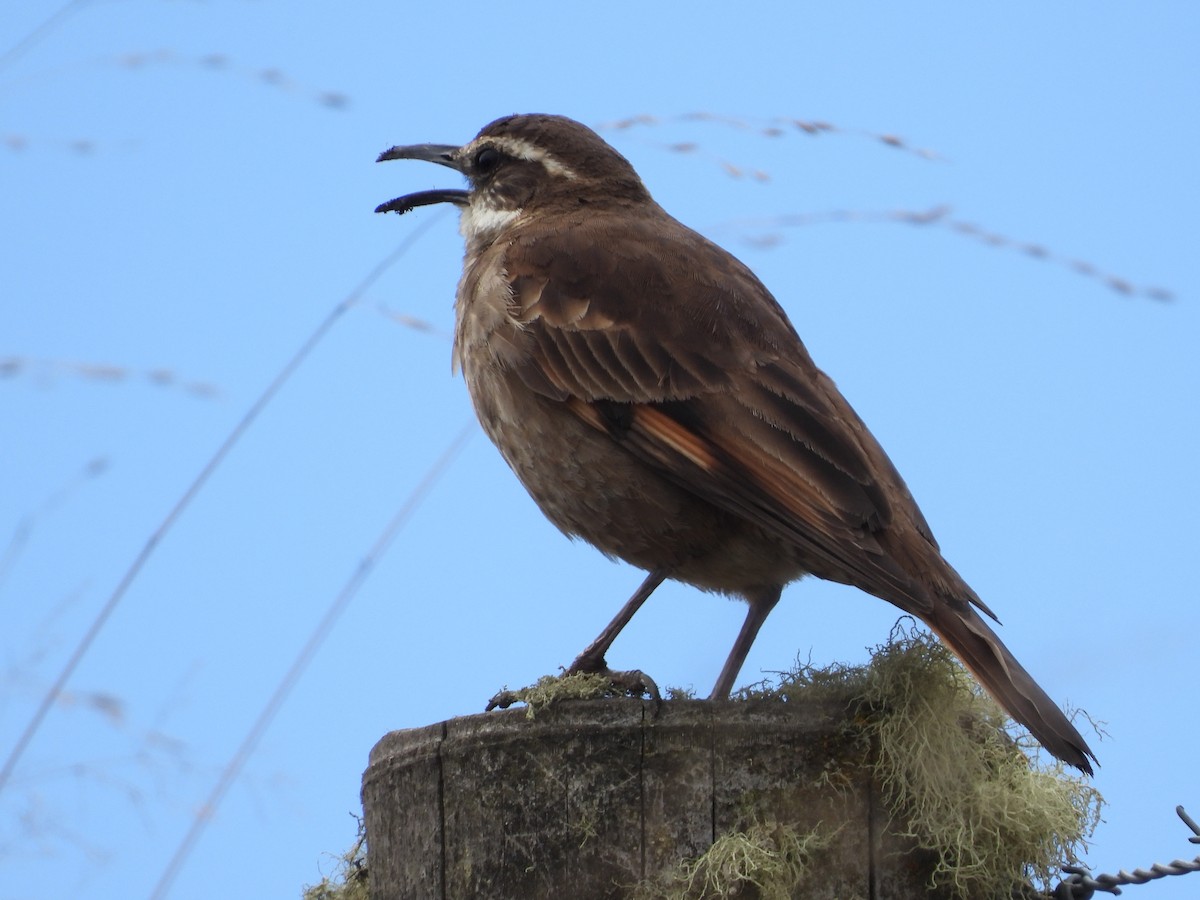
685 359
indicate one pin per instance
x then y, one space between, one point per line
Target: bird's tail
964 631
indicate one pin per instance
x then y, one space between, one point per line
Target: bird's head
522 165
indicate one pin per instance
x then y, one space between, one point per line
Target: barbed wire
1080 884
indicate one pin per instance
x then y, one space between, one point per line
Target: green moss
771 858
349 881
953 774
964 786
679 693
554 688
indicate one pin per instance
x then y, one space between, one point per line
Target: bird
654 399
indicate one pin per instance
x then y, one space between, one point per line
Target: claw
633 683
503 700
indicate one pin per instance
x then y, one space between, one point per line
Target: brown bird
654 399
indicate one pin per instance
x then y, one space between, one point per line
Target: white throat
481 223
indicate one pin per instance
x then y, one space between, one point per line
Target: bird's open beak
443 155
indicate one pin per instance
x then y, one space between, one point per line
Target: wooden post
590 798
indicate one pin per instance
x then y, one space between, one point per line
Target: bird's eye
487 159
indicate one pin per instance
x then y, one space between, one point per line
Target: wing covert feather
741 417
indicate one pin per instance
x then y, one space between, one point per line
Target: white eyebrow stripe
524 150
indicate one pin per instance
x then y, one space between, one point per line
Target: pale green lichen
959 782
953 774
349 880
550 689
773 858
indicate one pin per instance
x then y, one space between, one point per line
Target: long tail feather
966 633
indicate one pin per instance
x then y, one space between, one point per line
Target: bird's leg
760 607
592 660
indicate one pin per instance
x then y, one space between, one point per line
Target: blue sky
187 193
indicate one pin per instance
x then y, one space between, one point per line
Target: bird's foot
632 683
627 683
